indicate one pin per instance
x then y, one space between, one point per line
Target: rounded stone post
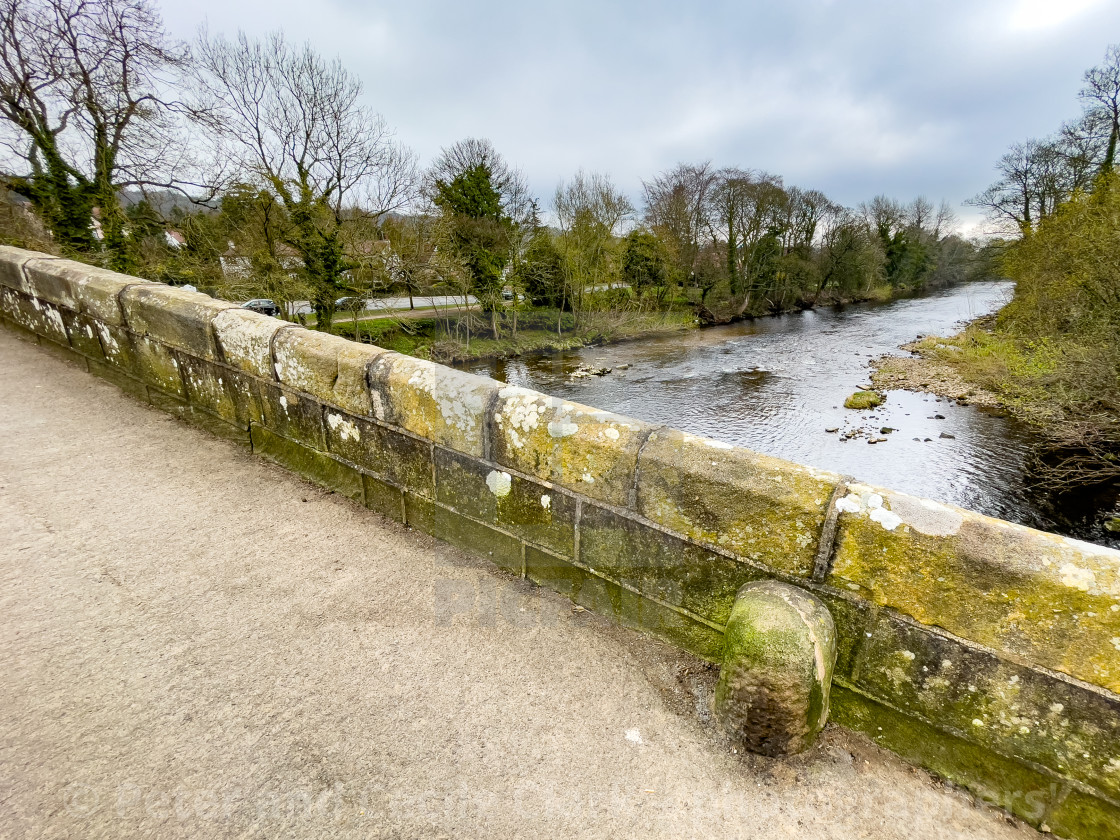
779 651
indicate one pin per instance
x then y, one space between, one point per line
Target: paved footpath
194 643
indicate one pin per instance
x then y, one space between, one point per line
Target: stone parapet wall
985 651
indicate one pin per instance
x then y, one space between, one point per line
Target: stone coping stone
327 366
1037 597
444 405
84 288
12 261
174 316
587 450
245 338
757 507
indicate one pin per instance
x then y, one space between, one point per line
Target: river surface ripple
775 384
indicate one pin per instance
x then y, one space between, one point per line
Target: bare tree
676 203
590 210
296 126
84 112
1101 95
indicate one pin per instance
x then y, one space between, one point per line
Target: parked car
263 306
350 303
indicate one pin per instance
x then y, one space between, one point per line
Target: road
195 643
303 307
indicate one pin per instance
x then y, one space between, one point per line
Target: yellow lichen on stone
760 508
591 451
1037 596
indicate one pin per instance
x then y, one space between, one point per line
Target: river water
776 384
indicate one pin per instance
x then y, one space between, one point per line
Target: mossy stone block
207 387
1066 726
1038 597
444 405
589 451
245 339
998 781
174 316
292 415
383 497
761 508
852 617
590 591
661 565
114 375
680 630
474 537
402 460
156 364
1083 816
778 654
535 512
320 468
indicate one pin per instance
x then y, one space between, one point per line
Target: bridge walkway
196 643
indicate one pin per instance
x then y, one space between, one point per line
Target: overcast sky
853 97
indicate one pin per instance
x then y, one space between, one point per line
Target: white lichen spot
1013 680
874 501
284 402
717 444
977 722
1077 578
588 478
562 428
546 501
1057 708
1116 642
346 429
1115 608
908 654
884 517
499 483
946 663
849 504
611 433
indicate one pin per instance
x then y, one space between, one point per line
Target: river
776 384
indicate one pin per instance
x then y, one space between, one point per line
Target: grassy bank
448 341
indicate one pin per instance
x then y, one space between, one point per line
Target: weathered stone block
464 533
245 339
197 416
245 393
403 460
33 315
320 468
590 591
1066 726
174 317
111 373
82 334
207 387
383 498
155 364
778 655
1083 816
116 345
533 511
995 779
1042 598
590 451
327 366
63 351
852 617
82 288
760 508
290 415
12 261
660 565
439 403
674 627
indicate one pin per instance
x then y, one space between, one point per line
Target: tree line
277 181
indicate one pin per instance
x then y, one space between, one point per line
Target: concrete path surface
194 643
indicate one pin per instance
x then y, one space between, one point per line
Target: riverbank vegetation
1052 355
251 169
